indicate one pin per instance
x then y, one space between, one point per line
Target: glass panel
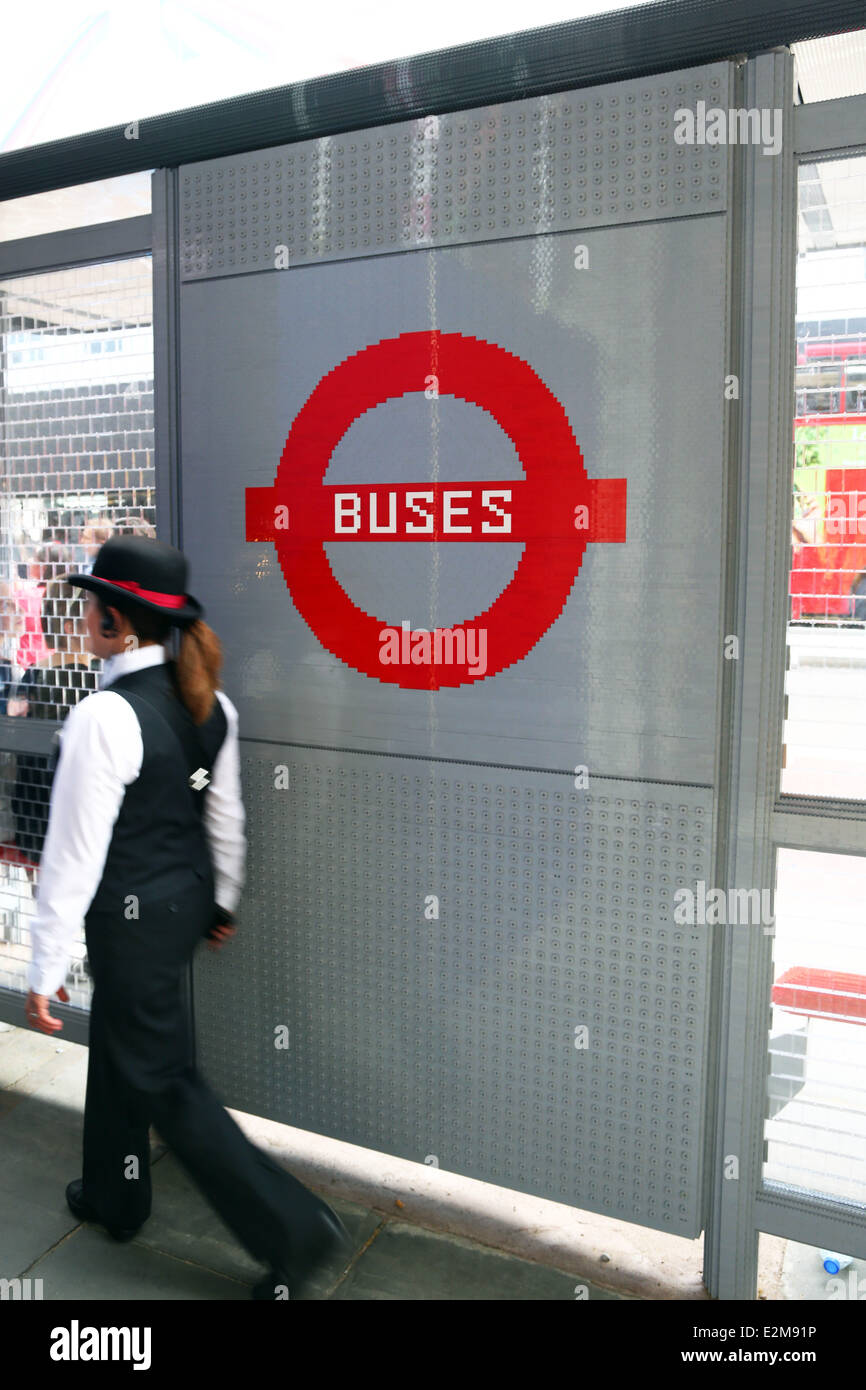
77 455
825 735
83 205
83 68
789 1271
816 1116
830 67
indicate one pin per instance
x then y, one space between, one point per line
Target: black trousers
141 1070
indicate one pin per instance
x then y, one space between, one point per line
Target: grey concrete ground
185 1251
417 1233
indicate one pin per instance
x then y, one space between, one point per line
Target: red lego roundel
554 510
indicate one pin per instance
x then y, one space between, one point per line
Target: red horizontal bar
475 510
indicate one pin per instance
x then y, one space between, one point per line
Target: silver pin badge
199 778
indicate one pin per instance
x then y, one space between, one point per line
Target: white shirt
102 753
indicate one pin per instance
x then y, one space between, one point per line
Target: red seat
821 994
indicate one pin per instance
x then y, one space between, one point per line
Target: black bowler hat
144 572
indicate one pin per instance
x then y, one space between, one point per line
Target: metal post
759 521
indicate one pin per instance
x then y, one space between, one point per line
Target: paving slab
59 1076
30 1225
185 1251
185 1225
89 1264
20 1052
406 1262
41 1145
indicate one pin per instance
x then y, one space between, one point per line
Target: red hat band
152 595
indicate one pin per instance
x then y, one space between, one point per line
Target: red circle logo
554 510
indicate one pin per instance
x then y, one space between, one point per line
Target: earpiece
107 628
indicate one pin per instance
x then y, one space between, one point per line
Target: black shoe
85 1212
333 1238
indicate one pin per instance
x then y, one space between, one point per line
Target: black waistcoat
159 845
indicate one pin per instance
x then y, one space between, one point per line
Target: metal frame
812 1221
652 38
825 128
760 820
762 334
166 385
74 246
754 819
804 826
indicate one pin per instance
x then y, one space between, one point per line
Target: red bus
828 566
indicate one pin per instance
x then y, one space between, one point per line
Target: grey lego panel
452 1038
625 680
593 157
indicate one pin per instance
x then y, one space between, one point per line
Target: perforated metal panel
454 1036
592 158
625 680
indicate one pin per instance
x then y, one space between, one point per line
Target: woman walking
145 847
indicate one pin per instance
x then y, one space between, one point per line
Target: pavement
418 1233
185 1251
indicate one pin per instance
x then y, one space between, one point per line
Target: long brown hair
199 659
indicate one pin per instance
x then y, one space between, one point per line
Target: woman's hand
219 935
223 928
36 1009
